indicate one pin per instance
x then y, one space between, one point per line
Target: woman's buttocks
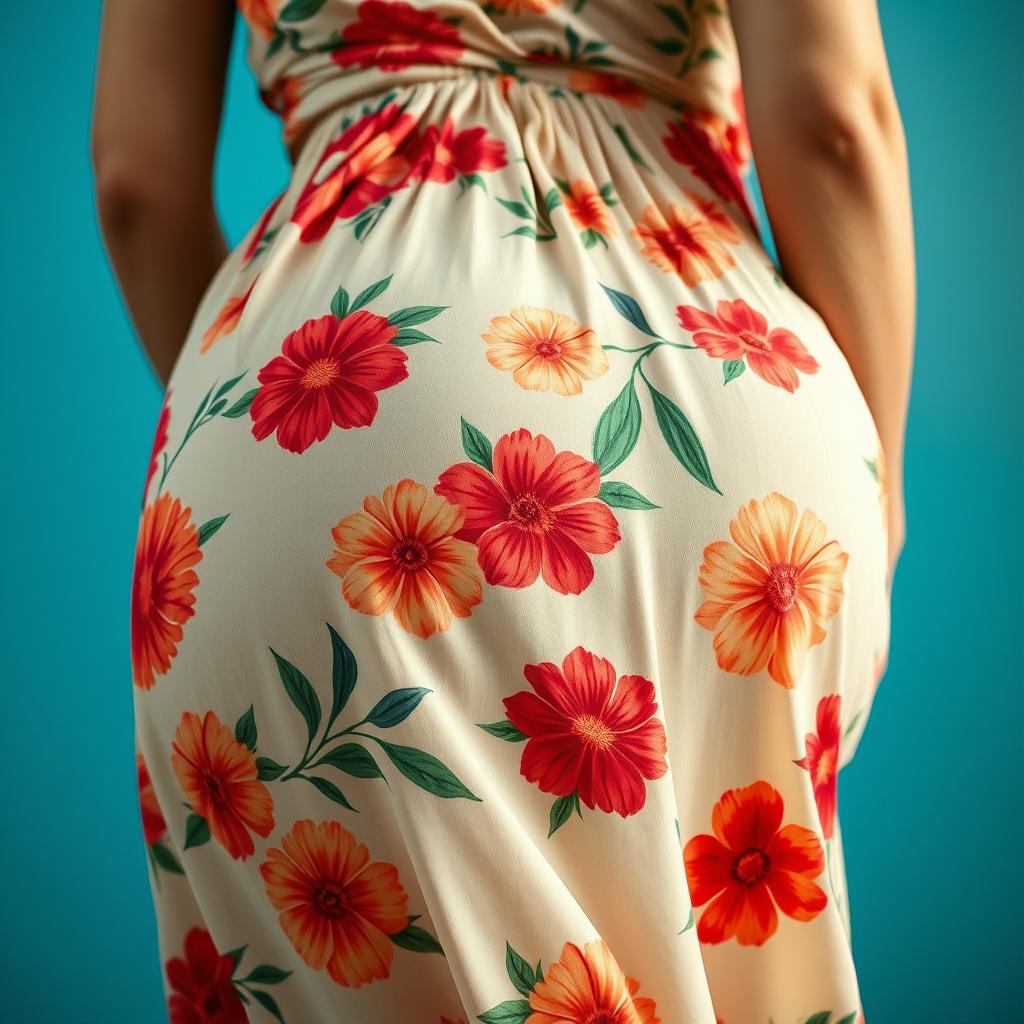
507 327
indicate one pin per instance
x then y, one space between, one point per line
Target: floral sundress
510 583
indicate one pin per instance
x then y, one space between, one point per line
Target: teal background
930 805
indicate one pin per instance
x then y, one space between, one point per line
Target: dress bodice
313 56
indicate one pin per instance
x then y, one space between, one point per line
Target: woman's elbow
845 123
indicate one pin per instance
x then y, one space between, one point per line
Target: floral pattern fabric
497 638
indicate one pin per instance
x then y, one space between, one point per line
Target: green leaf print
476 445
300 10
197 831
618 429
520 972
245 729
416 939
241 407
340 303
504 730
631 150
300 692
620 495
410 336
329 790
732 368
512 1011
343 673
352 759
426 771
411 315
165 859
268 1002
267 770
561 810
681 438
396 706
266 974
209 528
367 295
630 309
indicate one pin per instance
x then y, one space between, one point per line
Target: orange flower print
202 991
154 827
533 513
769 594
219 778
544 350
589 734
750 866
589 208
261 15
618 88
738 332
162 587
822 761
336 906
688 242
227 319
585 986
522 6
402 554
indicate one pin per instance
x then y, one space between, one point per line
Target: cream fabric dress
511 573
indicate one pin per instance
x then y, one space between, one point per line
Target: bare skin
826 131
156 118
831 158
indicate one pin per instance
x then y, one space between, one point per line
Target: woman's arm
156 117
831 159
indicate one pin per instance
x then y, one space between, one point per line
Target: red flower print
327 375
624 91
203 992
531 515
698 142
822 761
400 554
739 332
154 827
228 318
587 734
283 96
162 586
446 153
256 238
769 595
587 986
337 907
365 163
159 441
219 777
751 865
391 35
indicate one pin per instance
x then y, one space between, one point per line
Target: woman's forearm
838 199
164 255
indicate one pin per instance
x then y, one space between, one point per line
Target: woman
513 568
